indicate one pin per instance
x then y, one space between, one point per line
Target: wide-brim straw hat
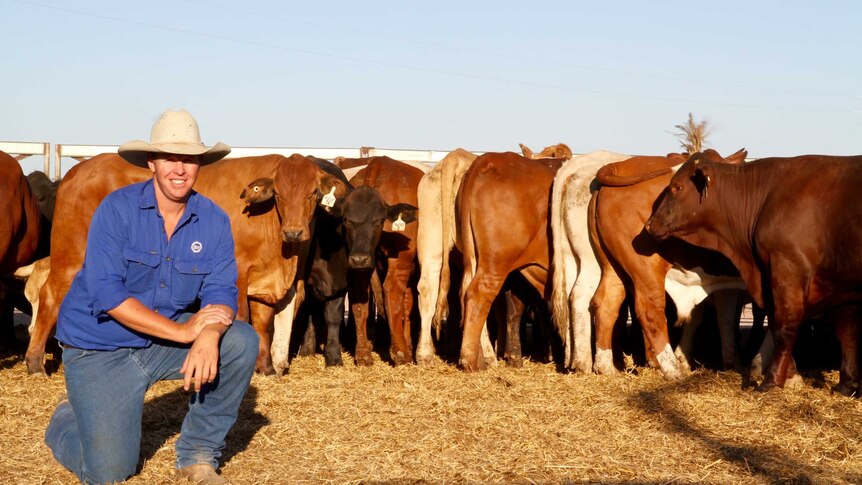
175 133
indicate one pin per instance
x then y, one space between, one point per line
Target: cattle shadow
770 464
163 417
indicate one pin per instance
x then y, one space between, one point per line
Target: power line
429 70
519 58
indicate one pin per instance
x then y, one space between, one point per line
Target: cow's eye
675 188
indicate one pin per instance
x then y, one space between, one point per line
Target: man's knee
240 342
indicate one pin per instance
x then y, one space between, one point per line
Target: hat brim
136 152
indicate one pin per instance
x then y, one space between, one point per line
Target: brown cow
270 239
790 226
377 216
502 208
20 227
628 257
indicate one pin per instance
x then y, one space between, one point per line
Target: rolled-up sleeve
219 286
104 262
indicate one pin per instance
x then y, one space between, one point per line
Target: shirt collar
148 201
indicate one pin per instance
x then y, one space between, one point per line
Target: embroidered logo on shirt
197 247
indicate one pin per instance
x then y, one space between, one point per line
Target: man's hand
201 364
210 314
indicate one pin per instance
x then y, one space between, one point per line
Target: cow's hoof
364 359
36 366
424 359
266 369
604 363
334 361
471 364
845 389
514 361
400 358
766 387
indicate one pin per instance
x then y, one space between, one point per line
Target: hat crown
176 127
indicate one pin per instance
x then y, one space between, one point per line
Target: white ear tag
329 199
398 224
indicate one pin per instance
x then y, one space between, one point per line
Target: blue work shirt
129 256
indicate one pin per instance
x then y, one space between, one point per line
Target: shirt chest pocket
187 279
141 270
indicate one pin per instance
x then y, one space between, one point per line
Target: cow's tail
561 252
377 294
447 212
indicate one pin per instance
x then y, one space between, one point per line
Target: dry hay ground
436 424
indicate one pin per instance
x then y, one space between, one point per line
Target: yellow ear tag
329 199
398 224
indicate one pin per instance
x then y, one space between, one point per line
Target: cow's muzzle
294 236
360 261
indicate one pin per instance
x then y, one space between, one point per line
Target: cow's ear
701 181
405 212
261 190
737 158
332 190
526 151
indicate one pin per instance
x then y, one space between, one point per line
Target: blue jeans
97 433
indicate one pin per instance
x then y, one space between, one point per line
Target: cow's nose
292 236
363 261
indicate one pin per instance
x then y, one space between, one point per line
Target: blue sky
779 78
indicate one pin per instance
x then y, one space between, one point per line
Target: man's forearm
136 316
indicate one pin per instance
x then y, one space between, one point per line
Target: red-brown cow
270 239
502 207
791 227
628 257
20 227
377 216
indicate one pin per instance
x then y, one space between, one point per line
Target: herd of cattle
585 232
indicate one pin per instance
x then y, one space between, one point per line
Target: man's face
174 175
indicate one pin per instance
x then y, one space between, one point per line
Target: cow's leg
764 356
478 297
685 349
7 318
606 304
582 324
726 304
784 323
50 296
430 262
333 313
283 328
649 307
514 312
489 354
395 293
261 316
359 284
847 331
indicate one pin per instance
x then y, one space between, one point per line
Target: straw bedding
437 424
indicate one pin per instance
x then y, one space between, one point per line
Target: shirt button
156 310
168 259
162 285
